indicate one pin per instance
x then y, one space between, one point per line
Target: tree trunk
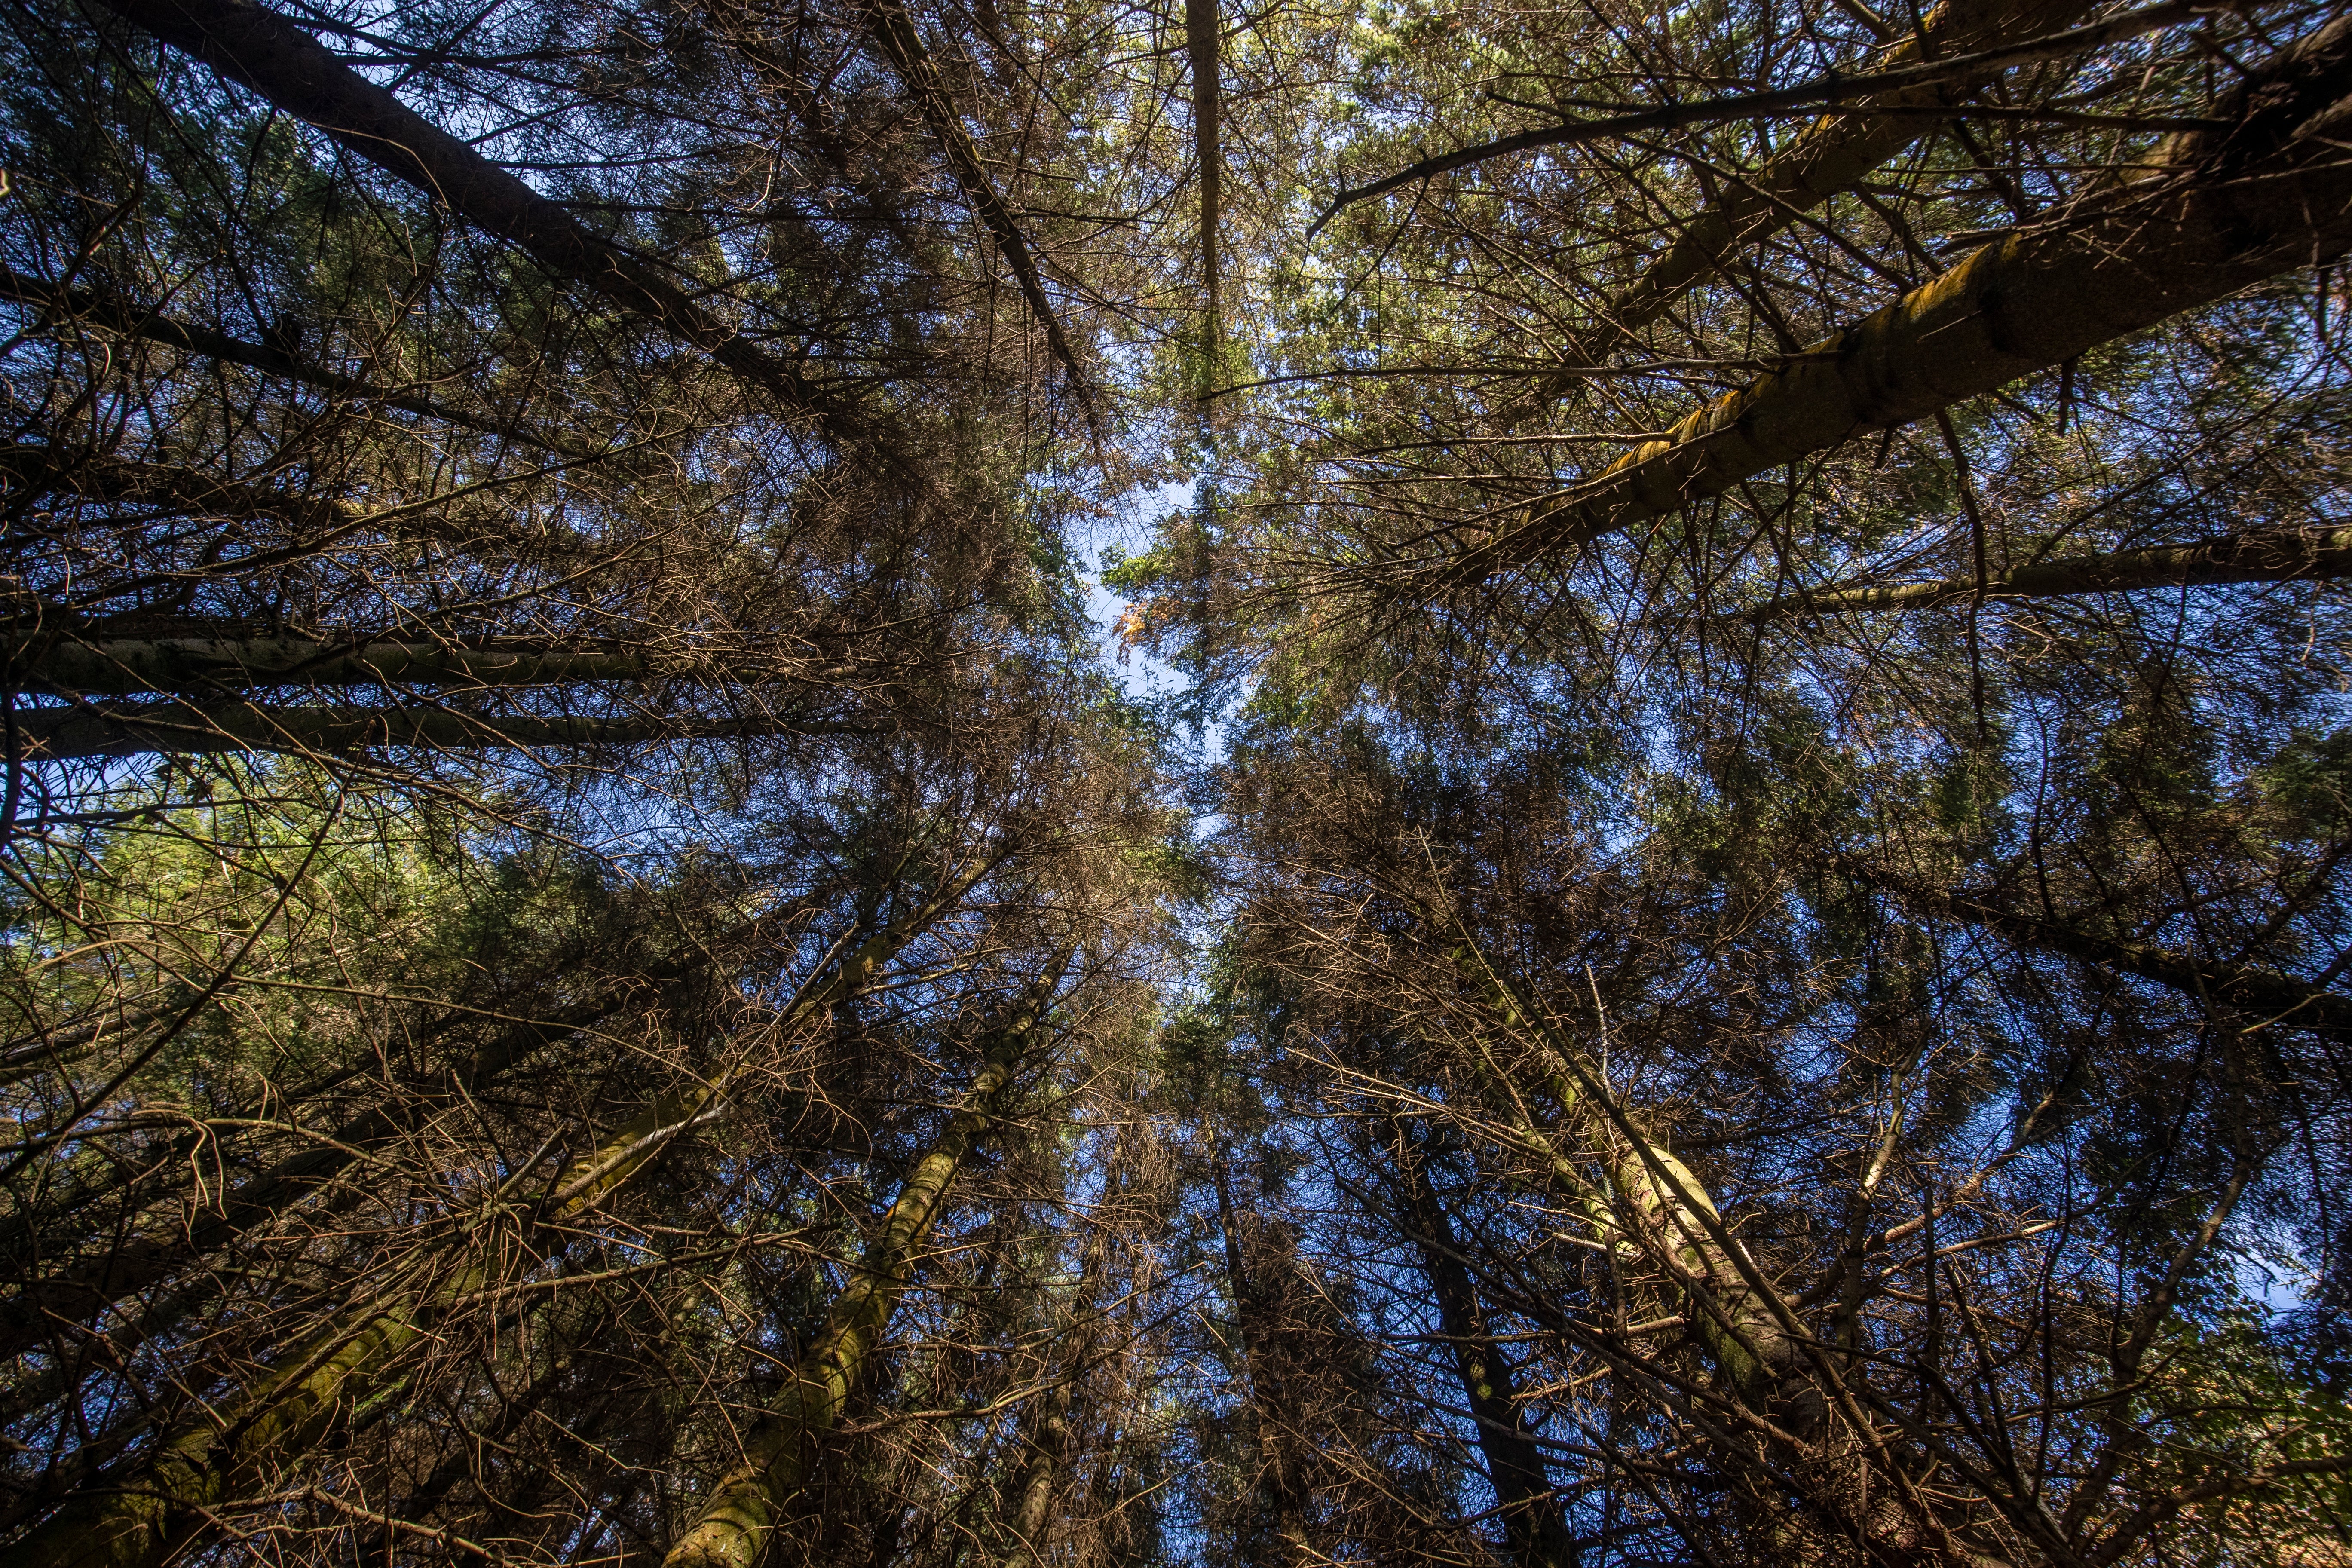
1045 1439
2271 556
1532 1519
72 1295
1045 1435
39 469
894 31
275 58
134 730
198 667
780 1455
2272 193
1280 1480
1829 156
1203 46
1659 1201
1762 1352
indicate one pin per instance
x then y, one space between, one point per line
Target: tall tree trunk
276 57
197 667
1762 1352
1202 48
2269 556
1829 156
1747 1330
135 730
1046 1438
472 518
894 29
780 1455
1044 1446
1281 1479
70 1297
2229 209
1532 1518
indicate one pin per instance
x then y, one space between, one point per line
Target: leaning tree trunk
1775 1373
1829 156
276 57
194 668
135 730
894 29
2229 210
2267 555
1747 1329
70 1297
1046 1432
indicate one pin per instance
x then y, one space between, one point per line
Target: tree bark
2233 208
1045 1435
199 667
894 31
1763 1354
43 469
1743 1324
1280 1481
780 1456
70 1297
133 730
2271 556
1203 46
40 469
196 667
1532 1520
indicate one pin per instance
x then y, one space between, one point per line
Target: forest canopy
946 783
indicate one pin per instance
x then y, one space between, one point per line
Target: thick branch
1835 151
2272 556
318 522
74 1291
1827 91
197 668
748 1504
43 470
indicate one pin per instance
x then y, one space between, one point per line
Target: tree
1733 951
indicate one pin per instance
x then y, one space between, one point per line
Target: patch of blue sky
1149 682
